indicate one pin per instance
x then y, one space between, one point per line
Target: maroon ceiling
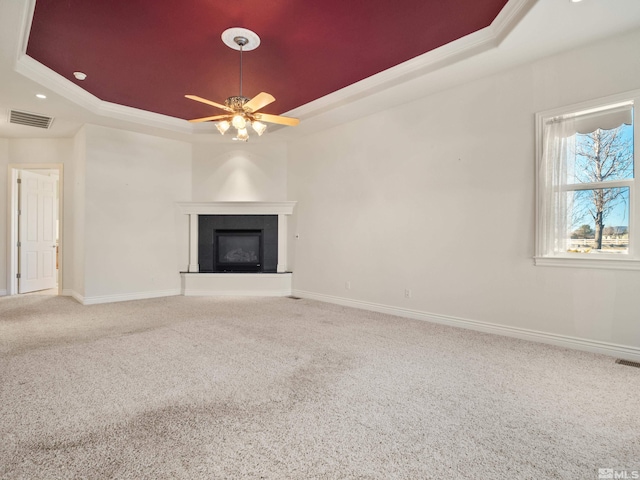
149 53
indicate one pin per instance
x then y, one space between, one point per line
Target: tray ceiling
148 54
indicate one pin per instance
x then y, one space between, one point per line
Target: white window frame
603 260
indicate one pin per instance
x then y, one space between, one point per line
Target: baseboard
75 295
125 297
3 293
614 350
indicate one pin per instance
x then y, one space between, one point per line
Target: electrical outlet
347 285
407 293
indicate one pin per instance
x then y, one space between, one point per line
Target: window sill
608 263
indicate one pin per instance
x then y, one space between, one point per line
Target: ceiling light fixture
223 126
259 127
80 75
242 111
41 96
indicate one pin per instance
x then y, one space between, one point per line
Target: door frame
12 216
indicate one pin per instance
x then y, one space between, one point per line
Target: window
587 199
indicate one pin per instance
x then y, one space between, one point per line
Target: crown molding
25 28
509 17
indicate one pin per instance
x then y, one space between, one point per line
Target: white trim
193 243
624 183
124 297
25 28
591 262
12 231
594 346
508 18
3 293
282 244
237 208
72 293
597 104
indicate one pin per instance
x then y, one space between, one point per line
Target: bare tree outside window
602 156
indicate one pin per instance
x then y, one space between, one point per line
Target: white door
37 232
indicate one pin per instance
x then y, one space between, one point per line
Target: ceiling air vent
30 119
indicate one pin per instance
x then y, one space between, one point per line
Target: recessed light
576 1
80 75
41 95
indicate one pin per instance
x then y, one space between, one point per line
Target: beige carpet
232 388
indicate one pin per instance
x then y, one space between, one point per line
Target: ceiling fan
242 111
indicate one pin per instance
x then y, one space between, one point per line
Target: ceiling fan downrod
241 42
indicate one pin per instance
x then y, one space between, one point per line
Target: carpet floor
277 388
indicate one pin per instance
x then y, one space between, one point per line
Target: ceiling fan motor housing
236 103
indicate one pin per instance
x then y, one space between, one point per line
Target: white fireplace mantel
193 209
237 208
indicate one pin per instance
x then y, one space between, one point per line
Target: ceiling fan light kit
242 111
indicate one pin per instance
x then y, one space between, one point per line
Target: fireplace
202 277
238 251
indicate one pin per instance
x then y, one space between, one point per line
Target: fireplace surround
205 275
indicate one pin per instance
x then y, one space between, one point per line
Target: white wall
40 150
254 171
73 241
135 239
437 196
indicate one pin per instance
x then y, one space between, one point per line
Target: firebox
238 251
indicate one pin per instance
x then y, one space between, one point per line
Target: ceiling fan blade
259 101
208 119
208 102
265 117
